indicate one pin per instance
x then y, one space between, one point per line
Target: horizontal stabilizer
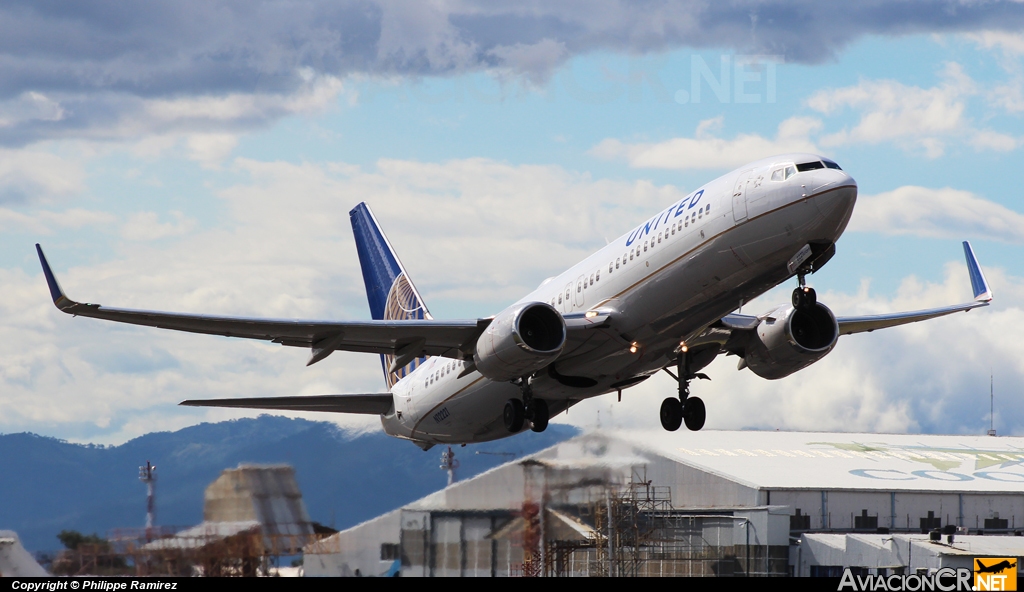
372 404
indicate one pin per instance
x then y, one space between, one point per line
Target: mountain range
50 485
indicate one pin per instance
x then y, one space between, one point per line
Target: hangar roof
822 460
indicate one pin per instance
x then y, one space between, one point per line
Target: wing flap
370 404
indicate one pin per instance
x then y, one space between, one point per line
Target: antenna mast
449 464
147 475
991 406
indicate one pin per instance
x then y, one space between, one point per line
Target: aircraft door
567 302
580 291
739 197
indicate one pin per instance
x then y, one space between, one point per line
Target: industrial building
251 515
709 503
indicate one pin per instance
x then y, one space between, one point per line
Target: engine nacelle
520 340
791 341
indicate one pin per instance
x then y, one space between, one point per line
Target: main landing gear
804 297
528 408
685 409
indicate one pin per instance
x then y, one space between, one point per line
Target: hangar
712 503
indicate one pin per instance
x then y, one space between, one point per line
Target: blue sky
497 148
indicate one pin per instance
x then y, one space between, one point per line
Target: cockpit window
777 175
790 171
809 166
831 165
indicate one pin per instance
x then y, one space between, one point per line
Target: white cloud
210 150
29 106
84 78
705 151
317 93
76 218
36 176
44 221
922 119
146 226
1008 95
1009 43
937 213
990 140
536 60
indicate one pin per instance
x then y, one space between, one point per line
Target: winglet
982 293
56 292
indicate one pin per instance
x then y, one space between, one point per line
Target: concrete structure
745 493
250 500
268 495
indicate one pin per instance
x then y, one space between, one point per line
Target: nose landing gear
685 409
803 296
518 411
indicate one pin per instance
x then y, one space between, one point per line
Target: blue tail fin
389 290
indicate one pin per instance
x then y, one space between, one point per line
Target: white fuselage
661 283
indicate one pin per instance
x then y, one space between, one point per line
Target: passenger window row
443 371
663 235
649 244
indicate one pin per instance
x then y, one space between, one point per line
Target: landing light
591 314
682 347
633 347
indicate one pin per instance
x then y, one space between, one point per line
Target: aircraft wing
982 297
405 338
371 404
867 323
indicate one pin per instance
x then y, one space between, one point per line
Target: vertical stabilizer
389 290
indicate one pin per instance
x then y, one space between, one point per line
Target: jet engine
791 340
520 340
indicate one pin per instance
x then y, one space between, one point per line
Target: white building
725 503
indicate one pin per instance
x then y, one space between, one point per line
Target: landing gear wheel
514 415
804 298
693 413
671 414
539 416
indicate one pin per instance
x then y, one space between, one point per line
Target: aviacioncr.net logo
946 579
995 573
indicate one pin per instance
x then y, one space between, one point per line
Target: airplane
659 298
995 567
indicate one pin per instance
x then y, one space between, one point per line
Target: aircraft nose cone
836 200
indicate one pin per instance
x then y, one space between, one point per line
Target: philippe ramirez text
103 585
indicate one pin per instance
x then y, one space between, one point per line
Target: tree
72 539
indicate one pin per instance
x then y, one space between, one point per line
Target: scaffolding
628 530
572 519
